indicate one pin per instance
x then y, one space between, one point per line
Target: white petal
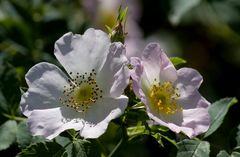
100 114
46 82
51 122
82 53
114 75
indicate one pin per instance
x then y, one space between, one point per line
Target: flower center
82 92
162 98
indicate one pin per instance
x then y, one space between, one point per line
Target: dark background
206 35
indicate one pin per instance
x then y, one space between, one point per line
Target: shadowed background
206 33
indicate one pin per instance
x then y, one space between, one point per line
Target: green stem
121 142
14 117
103 150
116 147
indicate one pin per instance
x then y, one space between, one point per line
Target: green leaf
235 154
109 29
9 82
7 134
47 149
217 112
137 130
223 153
193 148
84 148
63 141
3 103
236 149
79 149
24 137
177 60
238 136
122 14
229 7
179 8
66 143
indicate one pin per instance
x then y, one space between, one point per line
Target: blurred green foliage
207 35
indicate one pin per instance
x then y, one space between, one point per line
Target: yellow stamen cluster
162 98
82 91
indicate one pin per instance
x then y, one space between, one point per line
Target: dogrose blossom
88 97
171 96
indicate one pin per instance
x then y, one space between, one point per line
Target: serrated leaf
177 60
84 148
179 8
217 112
66 143
223 153
193 148
7 134
47 149
63 141
24 137
79 149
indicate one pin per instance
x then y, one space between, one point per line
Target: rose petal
190 97
82 53
100 114
93 123
191 122
156 65
198 119
189 77
136 74
51 122
46 82
114 75
168 71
